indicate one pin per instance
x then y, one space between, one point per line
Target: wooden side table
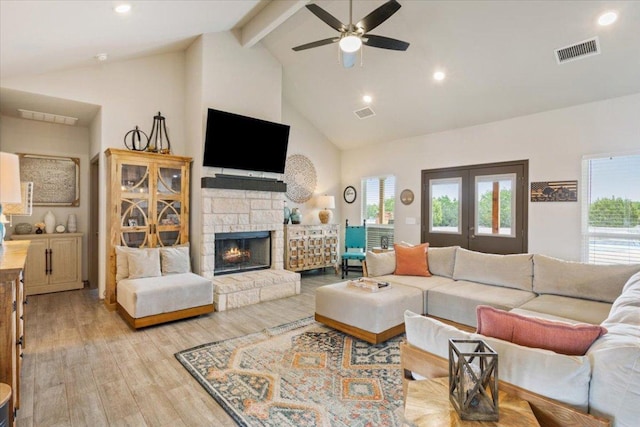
427 405
379 250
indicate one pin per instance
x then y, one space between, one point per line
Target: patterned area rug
301 374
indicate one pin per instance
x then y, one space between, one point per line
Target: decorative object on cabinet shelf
295 216
9 183
159 137
61 228
349 194
72 223
56 180
135 142
23 228
325 202
473 379
39 227
300 177
287 213
49 222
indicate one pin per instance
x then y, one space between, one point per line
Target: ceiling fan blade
384 42
326 17
378 16
316 43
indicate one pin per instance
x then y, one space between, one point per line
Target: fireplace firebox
242 251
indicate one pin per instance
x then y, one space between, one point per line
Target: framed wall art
554 191
56 180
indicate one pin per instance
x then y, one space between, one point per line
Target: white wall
553 142
33 137
214 72
307 140
130 93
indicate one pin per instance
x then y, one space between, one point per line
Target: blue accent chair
355 247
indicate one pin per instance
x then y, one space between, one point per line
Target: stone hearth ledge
237 290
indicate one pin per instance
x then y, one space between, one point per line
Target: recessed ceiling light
102 57
123 8
607 18
367 98
439 75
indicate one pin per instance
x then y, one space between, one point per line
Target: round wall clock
349 194
406 197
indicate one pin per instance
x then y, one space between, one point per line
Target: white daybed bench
156 285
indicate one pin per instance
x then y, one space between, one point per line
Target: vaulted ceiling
498 56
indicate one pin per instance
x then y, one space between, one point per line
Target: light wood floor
83 366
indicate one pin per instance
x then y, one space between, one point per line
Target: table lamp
10 191
325 202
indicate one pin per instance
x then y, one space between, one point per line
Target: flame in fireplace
234 255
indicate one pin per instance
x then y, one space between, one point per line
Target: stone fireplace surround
241 205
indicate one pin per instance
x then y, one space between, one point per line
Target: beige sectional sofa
604 382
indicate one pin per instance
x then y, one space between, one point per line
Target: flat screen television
234 141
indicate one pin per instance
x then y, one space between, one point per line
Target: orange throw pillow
412 261
563 338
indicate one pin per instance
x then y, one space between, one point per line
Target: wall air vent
47 117
579 50
364 113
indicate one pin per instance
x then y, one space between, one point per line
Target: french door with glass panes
480 207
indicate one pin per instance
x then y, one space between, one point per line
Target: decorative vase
287 213
72 224
49 222
295 216
38 230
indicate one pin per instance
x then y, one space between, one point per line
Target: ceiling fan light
349 59
350 44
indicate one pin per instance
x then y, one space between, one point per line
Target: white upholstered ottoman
152 300
370 316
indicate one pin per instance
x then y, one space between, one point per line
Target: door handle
471 233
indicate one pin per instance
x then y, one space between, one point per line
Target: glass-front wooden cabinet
148 203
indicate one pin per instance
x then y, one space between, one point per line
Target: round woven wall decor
300 177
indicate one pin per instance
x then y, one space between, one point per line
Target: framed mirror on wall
56 180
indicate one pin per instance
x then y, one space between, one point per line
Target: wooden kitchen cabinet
54 262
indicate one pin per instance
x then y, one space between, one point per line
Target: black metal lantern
158 139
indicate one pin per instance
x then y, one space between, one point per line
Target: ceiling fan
353 36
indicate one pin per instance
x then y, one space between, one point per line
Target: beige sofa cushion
581 280
511 271
459 300
156 295
580 310
381 263
530 368
442 260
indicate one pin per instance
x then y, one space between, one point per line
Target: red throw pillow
412 261
563 338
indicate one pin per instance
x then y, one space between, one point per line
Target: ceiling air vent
364 113
578 50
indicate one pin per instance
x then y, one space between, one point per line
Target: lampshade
10 191
326 202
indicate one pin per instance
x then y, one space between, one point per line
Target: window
378 205
611 209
